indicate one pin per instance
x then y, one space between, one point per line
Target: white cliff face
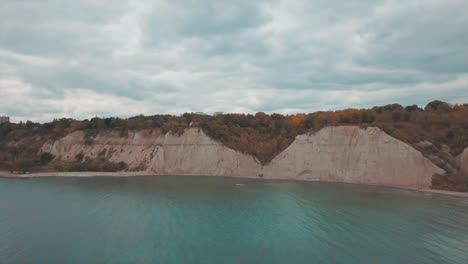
463 162
352 155
339 154
192 153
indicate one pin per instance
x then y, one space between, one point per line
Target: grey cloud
54 27
188 55
188 18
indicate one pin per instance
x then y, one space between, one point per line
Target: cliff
353 155
463 162
192 153
340 154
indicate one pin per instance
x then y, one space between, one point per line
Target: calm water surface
222 220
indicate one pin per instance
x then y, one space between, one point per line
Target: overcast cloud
122 58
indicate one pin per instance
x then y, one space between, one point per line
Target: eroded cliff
192 153
353 155
341 154
463 162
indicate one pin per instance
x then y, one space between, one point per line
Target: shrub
79 157
25 165
45 158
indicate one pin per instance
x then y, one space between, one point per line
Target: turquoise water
222 220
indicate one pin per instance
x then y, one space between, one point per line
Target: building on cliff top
4 119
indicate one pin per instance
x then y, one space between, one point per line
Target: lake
225 220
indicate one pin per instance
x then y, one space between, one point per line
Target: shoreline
4 174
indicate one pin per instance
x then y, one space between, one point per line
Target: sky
87 58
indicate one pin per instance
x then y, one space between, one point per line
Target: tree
439 106
412 108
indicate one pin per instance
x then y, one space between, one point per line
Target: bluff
339 154
353 155
191 153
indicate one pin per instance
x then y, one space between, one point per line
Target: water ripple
219 220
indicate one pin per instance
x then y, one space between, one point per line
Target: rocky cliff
341 154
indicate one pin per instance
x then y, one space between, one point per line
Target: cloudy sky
84 58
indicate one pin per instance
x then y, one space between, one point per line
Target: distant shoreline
4 174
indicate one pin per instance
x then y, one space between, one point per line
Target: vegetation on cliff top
439 130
